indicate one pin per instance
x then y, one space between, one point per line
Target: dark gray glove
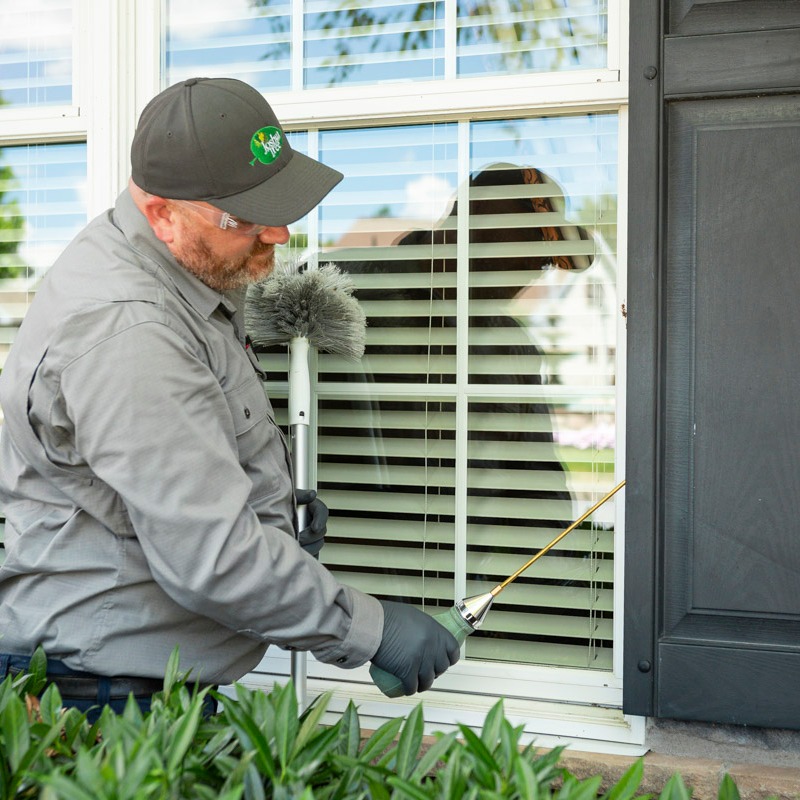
313 537
415 648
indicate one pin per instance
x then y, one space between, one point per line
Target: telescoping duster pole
467 615
314 308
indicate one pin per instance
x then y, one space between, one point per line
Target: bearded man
145 483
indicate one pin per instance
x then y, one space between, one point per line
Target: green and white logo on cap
266 145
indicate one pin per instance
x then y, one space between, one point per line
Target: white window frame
117 68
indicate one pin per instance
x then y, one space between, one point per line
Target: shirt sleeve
151 421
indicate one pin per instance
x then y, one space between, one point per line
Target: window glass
480 420
368 42
42 207
379 41
531 36
245 39
35 52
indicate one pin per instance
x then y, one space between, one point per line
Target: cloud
428 197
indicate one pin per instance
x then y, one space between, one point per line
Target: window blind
36 53
278 45
514 36
42 206
480 420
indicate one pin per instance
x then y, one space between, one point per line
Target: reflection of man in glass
512 211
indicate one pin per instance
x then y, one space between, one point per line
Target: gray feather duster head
316 304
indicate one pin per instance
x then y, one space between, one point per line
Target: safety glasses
224 220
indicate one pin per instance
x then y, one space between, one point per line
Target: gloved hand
415 647
312 537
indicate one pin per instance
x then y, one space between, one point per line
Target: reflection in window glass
531 36
42 206
480 420
352 42
368 42
245 39
542 339
36 52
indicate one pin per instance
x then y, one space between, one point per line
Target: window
42 207
482 414
279 45
482 221
36 53
482 417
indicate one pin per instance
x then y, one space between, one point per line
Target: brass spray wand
467 615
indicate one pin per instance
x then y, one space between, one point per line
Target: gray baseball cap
218 140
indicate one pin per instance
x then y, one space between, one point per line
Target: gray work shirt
146 486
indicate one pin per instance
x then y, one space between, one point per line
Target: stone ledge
701 775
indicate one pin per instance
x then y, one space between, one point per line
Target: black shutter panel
713 494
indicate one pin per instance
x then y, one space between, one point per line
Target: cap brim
286 196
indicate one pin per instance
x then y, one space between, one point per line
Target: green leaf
435 753
492 724
50 704
378 790
183 733
381 739
66 788
587 789
171 674
409 743
478 749
286 722
404 788
251 738
525 780
350 731
311 721
625 788
37 669
15 731
728 789
675 789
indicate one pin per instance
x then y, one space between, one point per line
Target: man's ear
160 215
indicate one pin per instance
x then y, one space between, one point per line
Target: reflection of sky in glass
46 188
379 41
35 52
237 39
404 172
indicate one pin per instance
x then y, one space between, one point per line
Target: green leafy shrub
260 748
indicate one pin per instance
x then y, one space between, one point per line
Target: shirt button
341 660
247 413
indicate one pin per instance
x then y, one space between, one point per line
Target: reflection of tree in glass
368 24
521 34
11 225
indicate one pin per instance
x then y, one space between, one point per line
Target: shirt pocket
248 405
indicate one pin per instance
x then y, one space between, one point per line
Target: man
146 486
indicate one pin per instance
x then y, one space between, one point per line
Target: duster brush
311 308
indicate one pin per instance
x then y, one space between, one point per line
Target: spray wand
467 615
311 308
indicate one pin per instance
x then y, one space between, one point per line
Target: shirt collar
139 234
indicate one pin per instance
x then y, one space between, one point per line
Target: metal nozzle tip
474 609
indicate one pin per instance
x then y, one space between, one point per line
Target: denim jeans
92 707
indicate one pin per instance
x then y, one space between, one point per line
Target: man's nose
278 235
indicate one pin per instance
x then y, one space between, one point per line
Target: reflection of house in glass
379 231
542 309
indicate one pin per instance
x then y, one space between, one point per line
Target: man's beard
225 274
